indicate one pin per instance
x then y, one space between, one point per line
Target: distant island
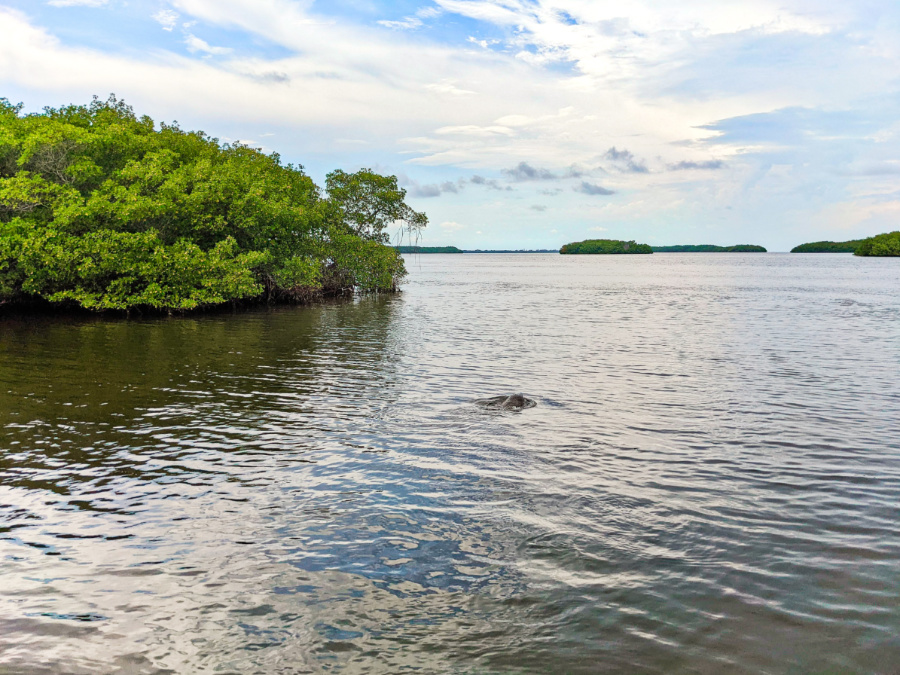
885 245
710 248
453 249
427 249
828 247
604 246
532 250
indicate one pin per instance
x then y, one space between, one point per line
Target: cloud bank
694 120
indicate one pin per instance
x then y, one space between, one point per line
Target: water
710 481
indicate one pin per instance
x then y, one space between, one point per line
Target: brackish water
710 482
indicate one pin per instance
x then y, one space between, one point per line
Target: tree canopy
828 247
102 209
613 246
710 248
887 244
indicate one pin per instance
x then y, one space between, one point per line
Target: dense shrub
103 210
880 245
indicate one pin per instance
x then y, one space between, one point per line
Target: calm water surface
710 482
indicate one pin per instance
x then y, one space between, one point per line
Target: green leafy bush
591 246
880 245
103 210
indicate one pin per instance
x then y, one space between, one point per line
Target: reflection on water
710 482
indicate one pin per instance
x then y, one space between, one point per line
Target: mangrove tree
105 210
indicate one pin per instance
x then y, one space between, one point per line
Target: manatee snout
511 402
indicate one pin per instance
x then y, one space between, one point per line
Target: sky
519 123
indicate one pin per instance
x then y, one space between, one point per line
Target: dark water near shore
710 482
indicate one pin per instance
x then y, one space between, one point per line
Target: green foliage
828 247
745 248
103 210
427 249
710 248
614 246
369 203
880 245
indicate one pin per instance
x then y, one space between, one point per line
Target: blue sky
519 123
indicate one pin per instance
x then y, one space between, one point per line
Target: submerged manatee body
511 402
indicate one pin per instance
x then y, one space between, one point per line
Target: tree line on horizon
103 210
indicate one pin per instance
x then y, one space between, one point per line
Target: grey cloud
524 171
551 192
270 77
538 207
432 190
591 189
416 189
708 164
488 182
626 161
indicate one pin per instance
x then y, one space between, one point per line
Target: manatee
511 402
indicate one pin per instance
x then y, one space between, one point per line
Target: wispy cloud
77 3
167 19
409 23
195 45
708 164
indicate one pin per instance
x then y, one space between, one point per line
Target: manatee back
511 402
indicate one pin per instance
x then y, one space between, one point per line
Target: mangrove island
828 247
103 210
427 249
604 246
710 248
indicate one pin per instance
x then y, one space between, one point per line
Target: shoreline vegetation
454 249
881 245
105 211
427 249
828 247
710 248
509 250
604 247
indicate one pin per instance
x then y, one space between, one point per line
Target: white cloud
452 225
166 18
195 44
448 87
77 3
409 23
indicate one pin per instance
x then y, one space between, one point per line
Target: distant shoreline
454 250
